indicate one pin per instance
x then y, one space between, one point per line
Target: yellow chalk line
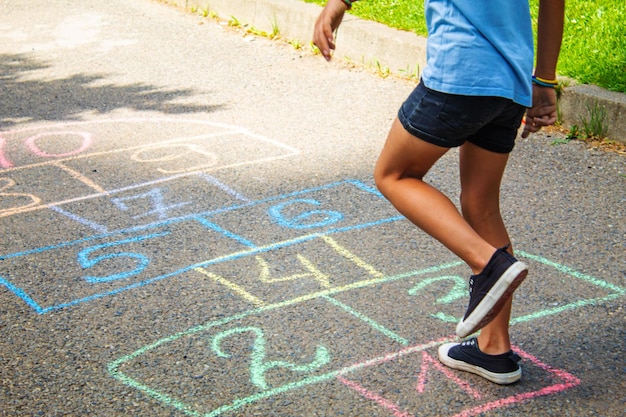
257 302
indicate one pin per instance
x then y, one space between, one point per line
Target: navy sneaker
502 369
490 289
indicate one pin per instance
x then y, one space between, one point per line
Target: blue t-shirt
480 48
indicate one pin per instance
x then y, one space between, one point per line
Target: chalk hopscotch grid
60 160
6 166
202 219
103 230
566 380
341 375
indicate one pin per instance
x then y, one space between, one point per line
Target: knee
468 206
477 209
379 178
382 178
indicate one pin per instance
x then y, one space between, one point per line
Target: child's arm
549 36
326 23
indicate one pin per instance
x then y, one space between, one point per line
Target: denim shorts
448 120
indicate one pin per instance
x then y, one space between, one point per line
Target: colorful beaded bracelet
542 82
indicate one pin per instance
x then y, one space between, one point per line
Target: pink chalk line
429 360
374 397
31 144
4 161
568 379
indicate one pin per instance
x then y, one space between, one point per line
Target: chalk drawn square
419 392
109 212
227 364
552 288
207 153
285 273
27 190
290 218
434 299
149 203
57 276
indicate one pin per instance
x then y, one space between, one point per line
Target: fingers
326 43
541 121
534 124
543 111
529 127
323 37
326 23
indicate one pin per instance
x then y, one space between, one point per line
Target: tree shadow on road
26 99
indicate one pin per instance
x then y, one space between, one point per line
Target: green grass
594 42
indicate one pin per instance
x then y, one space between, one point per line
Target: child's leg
489 354
481 174
403 162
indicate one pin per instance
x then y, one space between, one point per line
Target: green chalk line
114 366
389 333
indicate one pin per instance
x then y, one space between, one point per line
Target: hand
543 111
326 23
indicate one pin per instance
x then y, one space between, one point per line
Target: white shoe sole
499 293
498 378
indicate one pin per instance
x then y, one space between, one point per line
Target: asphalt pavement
190 228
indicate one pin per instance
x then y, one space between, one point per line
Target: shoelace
512 355
470 342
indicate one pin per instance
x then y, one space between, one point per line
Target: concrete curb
376 45
579 101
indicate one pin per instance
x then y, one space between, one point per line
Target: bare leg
481 174
399 174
